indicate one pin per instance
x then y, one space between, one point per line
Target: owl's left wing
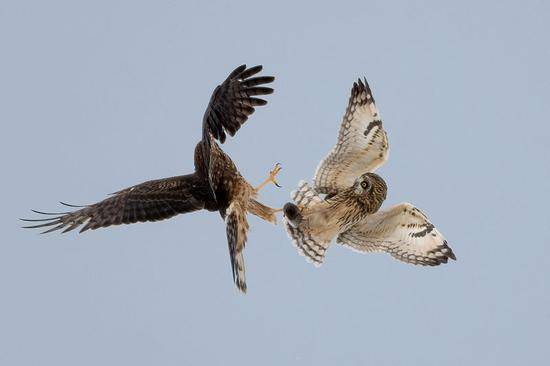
402 231
362 144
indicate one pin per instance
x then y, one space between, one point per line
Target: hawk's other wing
402 231
233 101
362 144
237 229
150 201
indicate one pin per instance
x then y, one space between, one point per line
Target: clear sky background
100 95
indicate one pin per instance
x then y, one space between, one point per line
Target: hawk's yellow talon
271 179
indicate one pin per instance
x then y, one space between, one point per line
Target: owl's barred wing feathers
233 101
362 144
402 231
237 229
311 248
305 195
150 201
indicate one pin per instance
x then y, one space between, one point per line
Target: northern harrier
354 194
216 184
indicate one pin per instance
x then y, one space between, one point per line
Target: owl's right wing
362 144
402 231
150 201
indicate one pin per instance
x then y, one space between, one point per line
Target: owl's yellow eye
364 184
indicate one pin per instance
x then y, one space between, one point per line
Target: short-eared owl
349 211
216 184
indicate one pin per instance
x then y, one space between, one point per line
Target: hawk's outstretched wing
150 201
362 144
237 229
231 104
234 100
402 231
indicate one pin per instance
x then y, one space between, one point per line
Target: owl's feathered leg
271 178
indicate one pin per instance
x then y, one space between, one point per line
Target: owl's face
371 188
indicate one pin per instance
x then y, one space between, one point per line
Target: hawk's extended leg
271 179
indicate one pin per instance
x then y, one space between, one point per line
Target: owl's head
372 188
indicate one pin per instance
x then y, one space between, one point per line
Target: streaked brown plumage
216 184
321 220
353 195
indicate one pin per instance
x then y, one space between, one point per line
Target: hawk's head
372 189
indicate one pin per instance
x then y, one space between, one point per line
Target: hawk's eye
364 184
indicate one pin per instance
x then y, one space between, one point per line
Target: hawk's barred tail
240 278
236 229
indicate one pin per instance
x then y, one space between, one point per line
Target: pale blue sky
100 95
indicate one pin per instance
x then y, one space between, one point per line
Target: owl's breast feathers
350 208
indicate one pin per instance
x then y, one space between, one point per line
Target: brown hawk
353 194
216 184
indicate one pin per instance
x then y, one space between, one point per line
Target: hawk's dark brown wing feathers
231 104
233 101
150 201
